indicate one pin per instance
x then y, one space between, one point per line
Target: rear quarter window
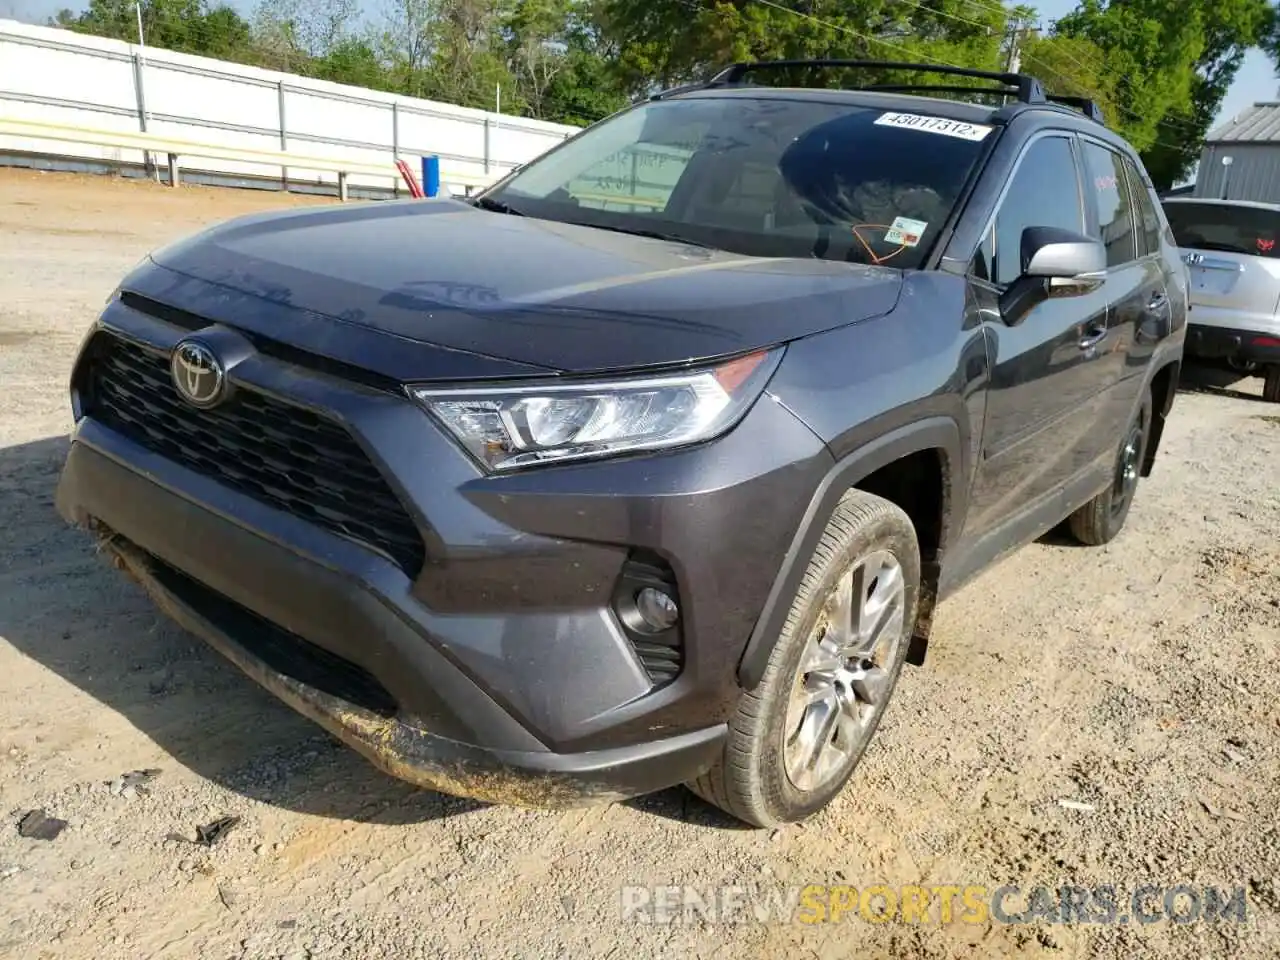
1252 231
1148 217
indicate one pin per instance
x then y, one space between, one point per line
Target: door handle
1093 335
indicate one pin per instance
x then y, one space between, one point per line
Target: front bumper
500 671
403 750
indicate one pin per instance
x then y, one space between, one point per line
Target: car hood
540 293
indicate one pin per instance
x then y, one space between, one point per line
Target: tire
1101 519
1271 384
868 542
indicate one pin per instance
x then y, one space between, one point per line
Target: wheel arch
1163 387
932 445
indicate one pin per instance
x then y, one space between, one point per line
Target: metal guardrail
213 69
174 149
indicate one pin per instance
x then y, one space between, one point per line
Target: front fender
934 433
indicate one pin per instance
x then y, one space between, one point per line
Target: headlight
515 426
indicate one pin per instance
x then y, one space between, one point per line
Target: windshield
764 177
1231 229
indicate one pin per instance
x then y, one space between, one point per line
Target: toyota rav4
648 464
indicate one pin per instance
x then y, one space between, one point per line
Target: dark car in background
649 464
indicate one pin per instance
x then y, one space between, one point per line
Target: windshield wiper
650 234
497 206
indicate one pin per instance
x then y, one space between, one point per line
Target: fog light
657 610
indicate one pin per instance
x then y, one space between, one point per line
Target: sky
1255 82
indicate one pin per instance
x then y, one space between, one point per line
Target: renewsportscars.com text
935 904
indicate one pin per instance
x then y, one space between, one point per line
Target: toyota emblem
198 374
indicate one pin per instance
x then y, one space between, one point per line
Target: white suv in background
1232 252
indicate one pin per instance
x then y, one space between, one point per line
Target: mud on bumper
147 530
407 752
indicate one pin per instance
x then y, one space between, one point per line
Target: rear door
1135 294
1163 286
1232 251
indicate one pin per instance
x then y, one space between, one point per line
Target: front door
1043 400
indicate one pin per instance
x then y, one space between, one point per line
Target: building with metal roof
1241 158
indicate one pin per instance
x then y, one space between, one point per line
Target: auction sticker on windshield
940 125
906 231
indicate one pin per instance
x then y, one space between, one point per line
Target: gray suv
649 464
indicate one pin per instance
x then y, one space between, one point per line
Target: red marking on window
1265 245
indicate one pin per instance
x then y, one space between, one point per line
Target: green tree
1231 27
293 33
587 89
1173 62
666 42
1072 66
354 61
536 43
467 65
407 43
189 26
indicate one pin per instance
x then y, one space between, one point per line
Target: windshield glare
763 177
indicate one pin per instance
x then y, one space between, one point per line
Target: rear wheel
1101 519
796 738
1271 383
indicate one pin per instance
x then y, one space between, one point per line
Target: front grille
280 454
280 650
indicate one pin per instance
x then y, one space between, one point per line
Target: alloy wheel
846 672
1128 468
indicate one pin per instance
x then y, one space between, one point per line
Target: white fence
57 77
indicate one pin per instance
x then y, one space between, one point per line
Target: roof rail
1029 88
924 89
1083 104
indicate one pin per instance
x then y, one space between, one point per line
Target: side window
1146 207
1105 188
1044 192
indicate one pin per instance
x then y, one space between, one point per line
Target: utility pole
1013 53
1013 48
139 67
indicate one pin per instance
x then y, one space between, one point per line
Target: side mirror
1057 263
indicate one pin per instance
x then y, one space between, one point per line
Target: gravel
1086 716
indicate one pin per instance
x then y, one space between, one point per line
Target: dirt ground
1141 680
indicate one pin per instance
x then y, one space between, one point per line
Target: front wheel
796 738
1101 519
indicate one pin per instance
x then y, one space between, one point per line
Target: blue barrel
431 176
